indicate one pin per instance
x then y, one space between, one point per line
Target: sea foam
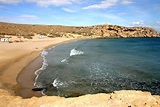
44 64
64 60
58 83
75 52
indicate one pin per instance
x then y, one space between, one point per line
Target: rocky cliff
98 31
117 99
113 31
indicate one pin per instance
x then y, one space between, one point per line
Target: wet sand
26 79
15 57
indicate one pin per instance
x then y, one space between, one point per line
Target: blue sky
82 12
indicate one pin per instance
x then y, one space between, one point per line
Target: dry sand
15 56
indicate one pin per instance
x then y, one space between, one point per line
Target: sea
100 66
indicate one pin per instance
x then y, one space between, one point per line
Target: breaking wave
101 66
64 60
73 52
44 64
76 52
58 83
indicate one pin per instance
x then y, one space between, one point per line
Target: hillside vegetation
97 31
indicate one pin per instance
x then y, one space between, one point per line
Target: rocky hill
113 31
98 31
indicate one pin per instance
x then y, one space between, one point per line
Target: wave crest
64 60
75 52
58 83
43 67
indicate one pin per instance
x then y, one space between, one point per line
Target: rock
113 31
38 89
124 98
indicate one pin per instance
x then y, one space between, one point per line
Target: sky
82 12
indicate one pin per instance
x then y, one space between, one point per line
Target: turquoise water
101 66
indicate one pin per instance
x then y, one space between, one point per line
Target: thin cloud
2 6
29 17
123 13
20 19
46 3
103 4
108 3
151 24
68 10
127 2
137 23
10 1
142 10
43 3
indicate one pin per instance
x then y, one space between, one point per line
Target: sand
15 56
26 78
13 60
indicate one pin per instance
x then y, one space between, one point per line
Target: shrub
30 34
54 35
28 37
10 41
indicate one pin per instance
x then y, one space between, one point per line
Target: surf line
73 52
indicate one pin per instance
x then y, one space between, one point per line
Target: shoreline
18 55
19 60
26 78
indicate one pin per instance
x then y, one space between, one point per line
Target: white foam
51 48
64 60
44 63
44 53
76 52
43 67
57 83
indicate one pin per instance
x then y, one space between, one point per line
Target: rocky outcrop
98 31
116 99
113 31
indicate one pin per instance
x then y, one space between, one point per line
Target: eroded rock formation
113 31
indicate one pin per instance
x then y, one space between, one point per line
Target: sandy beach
23 59
15 57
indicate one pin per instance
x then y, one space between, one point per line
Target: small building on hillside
4 39
41 37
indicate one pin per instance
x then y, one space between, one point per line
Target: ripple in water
102 66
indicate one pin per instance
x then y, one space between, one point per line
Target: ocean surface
101 66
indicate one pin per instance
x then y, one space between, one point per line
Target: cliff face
101 31
113 31
116 99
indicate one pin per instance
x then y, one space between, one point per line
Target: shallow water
101 65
